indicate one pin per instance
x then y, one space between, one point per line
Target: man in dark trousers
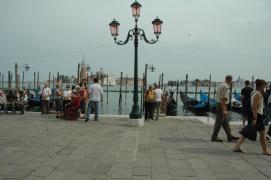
245 99
222 98
267 103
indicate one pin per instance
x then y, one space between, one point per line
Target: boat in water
191 104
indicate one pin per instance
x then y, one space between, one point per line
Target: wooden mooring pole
126 88
107 91
196 91
186 83
34 81
120 94
209 88
177 91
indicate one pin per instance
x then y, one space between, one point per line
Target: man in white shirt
158 97
46 93
222 98
95 92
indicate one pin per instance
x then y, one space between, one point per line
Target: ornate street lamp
135 34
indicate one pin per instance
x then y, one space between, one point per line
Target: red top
75 101
82 94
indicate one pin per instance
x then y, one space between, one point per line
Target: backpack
151 96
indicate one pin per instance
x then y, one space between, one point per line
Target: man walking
158 97
95 92
222 98
46 93
245 99
257 106
267 105
267 101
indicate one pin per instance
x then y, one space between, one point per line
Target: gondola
236 105
212 103
34 103
197 107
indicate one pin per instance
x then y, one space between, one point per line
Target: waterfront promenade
35 147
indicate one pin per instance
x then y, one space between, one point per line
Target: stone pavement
34 147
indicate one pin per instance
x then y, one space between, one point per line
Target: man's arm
224 100
224 106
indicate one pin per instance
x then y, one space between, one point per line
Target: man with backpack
149 103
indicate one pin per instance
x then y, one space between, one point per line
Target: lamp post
135 34
26 67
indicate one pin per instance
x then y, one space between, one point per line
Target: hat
77 88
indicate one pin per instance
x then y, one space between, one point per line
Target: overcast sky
199 37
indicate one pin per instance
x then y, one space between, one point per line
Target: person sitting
67 93
171 107
11 100
72 109
3 101
21 101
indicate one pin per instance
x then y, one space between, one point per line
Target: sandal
267 154
237 150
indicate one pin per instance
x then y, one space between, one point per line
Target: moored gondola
197 107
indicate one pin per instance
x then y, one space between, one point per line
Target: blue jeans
94 105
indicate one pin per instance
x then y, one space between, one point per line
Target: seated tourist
3 101
21 101
72 109
11 100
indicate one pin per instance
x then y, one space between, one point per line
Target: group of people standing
152 99
155 100
73 103
254 102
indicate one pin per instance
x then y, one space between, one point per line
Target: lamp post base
136 113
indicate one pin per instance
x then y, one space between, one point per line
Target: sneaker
216 140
